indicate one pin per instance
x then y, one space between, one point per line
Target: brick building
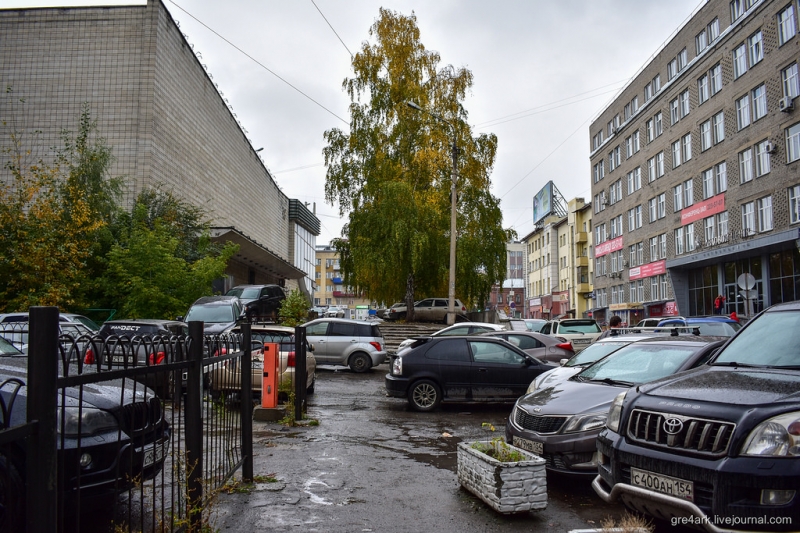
165 120
695 177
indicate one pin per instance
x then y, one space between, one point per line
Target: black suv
717 448
218 313
261 302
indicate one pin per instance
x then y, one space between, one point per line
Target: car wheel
360 362
12 496
424 395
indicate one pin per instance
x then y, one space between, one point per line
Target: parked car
342 341
17 333
569 367
534 324
463 328
460 369
112 435
335 311
218 313
397 311
62 317
544 347
561 423
719 445
581 332
707 325
435 310
260 302
227 378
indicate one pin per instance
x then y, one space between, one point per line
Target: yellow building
329 288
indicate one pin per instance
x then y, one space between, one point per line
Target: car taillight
290 359
156 359
217 352
565 346
88 359
376 345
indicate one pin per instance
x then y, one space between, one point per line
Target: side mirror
179 318
563 362
310 348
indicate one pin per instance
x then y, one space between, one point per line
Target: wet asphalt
372 464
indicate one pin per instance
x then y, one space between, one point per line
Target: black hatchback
461 369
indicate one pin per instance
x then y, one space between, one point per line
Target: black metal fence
122 432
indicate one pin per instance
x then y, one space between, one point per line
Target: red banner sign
607 247
706 208
650 269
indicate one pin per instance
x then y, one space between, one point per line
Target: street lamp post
451 296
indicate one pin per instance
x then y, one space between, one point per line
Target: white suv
581 332
341 341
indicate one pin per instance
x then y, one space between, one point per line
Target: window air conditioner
786 104
770 147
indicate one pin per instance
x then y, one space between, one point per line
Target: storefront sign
536 301
607 247
706 208
650 269
670 309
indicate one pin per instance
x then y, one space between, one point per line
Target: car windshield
535 325
244 292
6 348
595 352
638 363
210 313
770 340
88 322
584 326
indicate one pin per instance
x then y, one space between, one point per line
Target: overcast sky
543 70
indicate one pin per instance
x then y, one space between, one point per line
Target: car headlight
397 366
533 387
585 422
85 422
615 412
778 436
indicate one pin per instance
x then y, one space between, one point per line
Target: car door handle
482 369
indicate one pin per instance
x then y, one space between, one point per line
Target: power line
257 62
333 30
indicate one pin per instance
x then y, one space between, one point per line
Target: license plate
153 453
580 341
529 445
664 484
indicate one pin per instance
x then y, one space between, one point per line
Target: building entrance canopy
256 256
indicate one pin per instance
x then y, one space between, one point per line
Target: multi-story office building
163 118
559 278
510 295
695 169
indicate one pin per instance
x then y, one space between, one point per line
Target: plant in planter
507 478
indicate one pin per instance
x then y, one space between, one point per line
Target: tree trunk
410 298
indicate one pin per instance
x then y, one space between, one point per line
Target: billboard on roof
543 202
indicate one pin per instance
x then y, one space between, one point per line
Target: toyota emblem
673 425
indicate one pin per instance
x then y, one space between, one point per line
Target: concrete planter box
506 487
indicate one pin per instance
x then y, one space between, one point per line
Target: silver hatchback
341 341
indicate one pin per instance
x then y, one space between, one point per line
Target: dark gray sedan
561 422
541 346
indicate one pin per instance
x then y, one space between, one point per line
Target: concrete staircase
396 332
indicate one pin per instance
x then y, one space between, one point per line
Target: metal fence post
300 371
42 404
194 427
247 404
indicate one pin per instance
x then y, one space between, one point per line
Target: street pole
451 315
451 296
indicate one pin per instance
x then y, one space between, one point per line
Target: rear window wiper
610 381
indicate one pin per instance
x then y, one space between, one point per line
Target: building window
742 112
755 45
676 154
688 193
718 121
659 125
686 140
764 206
684 102
652 208
705 135
662 248
762 158
759 95
616 192
748 219
722 224
599 171
674 111
672 68
721 177
738 8
677 197
682 60
790 81
662 205
651 170
659 164
739 60
679 239
702 89
793 142
746 165
701 42
634 180
794 204
708 227
653 248
787 27
715 81
635 218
